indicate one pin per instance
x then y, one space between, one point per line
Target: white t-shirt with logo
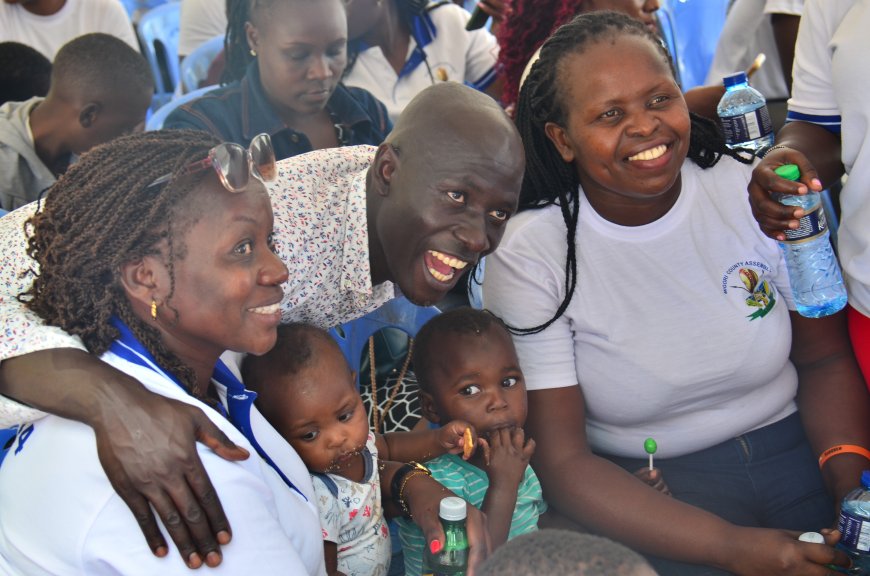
453 54
678 330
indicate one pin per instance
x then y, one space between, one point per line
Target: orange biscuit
469 443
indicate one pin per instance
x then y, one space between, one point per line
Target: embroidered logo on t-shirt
748 278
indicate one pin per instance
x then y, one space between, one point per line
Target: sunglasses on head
234 164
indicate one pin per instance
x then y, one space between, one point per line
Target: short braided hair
101 214
548 178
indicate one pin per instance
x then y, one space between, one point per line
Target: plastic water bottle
813 271
744 116
453 558
854 524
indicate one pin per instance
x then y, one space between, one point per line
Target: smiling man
354 226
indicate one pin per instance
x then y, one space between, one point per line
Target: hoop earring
153 309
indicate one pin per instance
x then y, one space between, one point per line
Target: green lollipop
650 447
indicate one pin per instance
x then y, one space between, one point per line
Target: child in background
306 390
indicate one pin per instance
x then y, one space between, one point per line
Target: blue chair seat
194 66
156 120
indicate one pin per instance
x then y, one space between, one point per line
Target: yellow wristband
843 449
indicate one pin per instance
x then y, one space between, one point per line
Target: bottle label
856 532
812 225
746 127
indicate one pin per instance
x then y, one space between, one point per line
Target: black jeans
766 478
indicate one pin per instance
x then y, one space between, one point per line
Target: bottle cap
865 479
789 172
813 537
452 508
734 79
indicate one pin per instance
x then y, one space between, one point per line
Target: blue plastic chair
156 120
158 37
135 8
353 337
194 66
691 29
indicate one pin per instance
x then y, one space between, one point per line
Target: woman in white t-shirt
665 314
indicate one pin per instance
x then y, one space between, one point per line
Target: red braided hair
523 32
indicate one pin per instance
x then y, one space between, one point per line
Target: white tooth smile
449 260
650 154
270 309
439 276
454 263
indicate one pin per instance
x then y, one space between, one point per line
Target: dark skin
77 386
319 411
40 7
646 113
479 380
816 152
301 54
72 120
785 30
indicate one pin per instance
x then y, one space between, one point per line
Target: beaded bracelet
400 480
772 148
843 449
401 498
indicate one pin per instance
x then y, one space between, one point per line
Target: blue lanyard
239 400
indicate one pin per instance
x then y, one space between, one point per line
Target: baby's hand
506 454
654 478
458 437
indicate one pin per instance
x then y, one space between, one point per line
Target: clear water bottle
813 271
854 525
453 558
744 116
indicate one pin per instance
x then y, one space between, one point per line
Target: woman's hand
149 455
423 496
772 216
653 478
765 552
146 444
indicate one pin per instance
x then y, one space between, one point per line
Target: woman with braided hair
284 63
156 250
646 303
